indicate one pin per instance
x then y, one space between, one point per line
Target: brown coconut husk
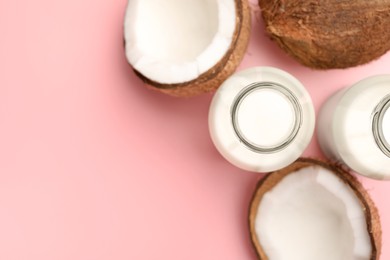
213 78
368 206
329 34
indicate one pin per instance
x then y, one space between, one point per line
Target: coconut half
329 34
186 47
313 210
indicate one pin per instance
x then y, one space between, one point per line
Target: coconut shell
213 78
368 206
329 34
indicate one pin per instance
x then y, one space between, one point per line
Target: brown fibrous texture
367 204
329 34
214 77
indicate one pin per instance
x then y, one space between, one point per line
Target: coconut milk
261 119
354 127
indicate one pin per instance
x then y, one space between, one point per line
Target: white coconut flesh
311 214
175 41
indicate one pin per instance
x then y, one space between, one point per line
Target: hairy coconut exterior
329 33
213 78
368 206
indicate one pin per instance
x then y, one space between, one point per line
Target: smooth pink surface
93 166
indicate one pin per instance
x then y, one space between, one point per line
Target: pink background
95 166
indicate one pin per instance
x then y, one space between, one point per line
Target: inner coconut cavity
312 214
175 41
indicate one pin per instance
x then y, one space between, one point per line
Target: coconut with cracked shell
329 34
312 210
186 47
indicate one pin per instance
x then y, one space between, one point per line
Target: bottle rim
377 125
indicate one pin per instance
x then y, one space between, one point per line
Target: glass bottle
354 127
261 119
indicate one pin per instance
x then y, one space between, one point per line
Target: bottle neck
286 94
381 125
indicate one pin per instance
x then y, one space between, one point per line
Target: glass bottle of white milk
354 127
261 119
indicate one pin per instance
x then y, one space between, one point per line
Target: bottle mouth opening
381 125
285 130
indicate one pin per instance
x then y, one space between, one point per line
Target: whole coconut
325 34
